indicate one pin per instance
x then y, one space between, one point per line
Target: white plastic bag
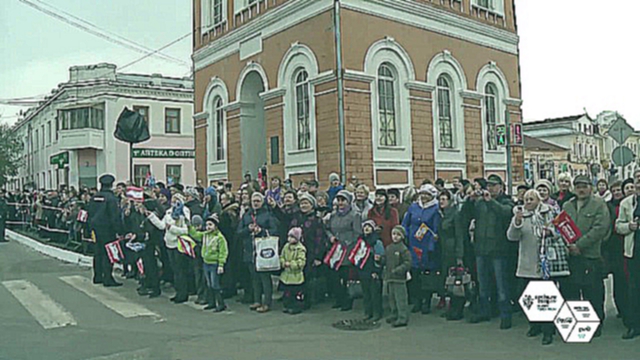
267 254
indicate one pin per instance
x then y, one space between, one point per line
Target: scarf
429 204
344 211
177 210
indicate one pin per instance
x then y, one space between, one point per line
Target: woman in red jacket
385 215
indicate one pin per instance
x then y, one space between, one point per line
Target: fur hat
400 230
309 198
296 232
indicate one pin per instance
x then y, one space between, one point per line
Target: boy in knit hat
293 261
335 186
214 256
397 262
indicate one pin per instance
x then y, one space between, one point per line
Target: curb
51 251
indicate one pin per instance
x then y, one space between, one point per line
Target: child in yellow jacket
293 260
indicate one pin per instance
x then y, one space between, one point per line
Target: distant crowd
466 243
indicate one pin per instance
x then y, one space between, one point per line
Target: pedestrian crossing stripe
45 310
108 298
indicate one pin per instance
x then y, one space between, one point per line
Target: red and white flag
83 215
186 246
114 252
360 254
140 266
336 256
135 193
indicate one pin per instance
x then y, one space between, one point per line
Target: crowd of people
395 248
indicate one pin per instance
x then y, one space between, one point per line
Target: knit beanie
257 195
346 195
369 222
214 218
400 230
309 198
296 232
334 177
546 183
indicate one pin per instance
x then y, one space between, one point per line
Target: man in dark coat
105 223
492 211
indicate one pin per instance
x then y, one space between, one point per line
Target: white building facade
68 139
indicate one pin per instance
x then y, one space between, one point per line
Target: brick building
391 92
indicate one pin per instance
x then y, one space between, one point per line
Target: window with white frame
445 123
218 114
302 110
495 6
213 13
490 102
387 105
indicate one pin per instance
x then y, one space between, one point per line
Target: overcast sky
575 54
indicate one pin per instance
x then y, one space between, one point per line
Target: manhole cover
356 325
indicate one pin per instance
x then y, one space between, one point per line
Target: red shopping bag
567 227
336 256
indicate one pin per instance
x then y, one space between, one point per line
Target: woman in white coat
531 226
175 223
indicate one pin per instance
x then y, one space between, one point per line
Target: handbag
459 283
432 280
267 253
354 289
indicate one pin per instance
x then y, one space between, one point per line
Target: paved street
49 310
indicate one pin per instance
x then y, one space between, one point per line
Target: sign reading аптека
164 153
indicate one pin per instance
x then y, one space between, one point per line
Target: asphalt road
49 310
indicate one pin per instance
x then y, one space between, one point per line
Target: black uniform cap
107 179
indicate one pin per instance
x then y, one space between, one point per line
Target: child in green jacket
214 256
293 260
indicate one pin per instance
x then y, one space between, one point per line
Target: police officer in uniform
105 223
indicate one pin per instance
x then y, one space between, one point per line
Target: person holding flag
421 224
175 224
542 252
105 224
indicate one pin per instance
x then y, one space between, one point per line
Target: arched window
219 128
386 105
302 110
490 101
444 113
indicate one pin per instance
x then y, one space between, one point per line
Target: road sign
60 160
622 156
620 130
501 135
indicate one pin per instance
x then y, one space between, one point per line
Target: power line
154 52
111 33
89 30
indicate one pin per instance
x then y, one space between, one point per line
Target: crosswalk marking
46 311
108 298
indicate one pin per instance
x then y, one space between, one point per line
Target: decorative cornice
230 43
468 94
323 78
358 76
441 21
513 102
201 116
419 86
272 94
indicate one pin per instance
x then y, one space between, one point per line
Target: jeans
488 266
211 276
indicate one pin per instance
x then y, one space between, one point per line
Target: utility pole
508 140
